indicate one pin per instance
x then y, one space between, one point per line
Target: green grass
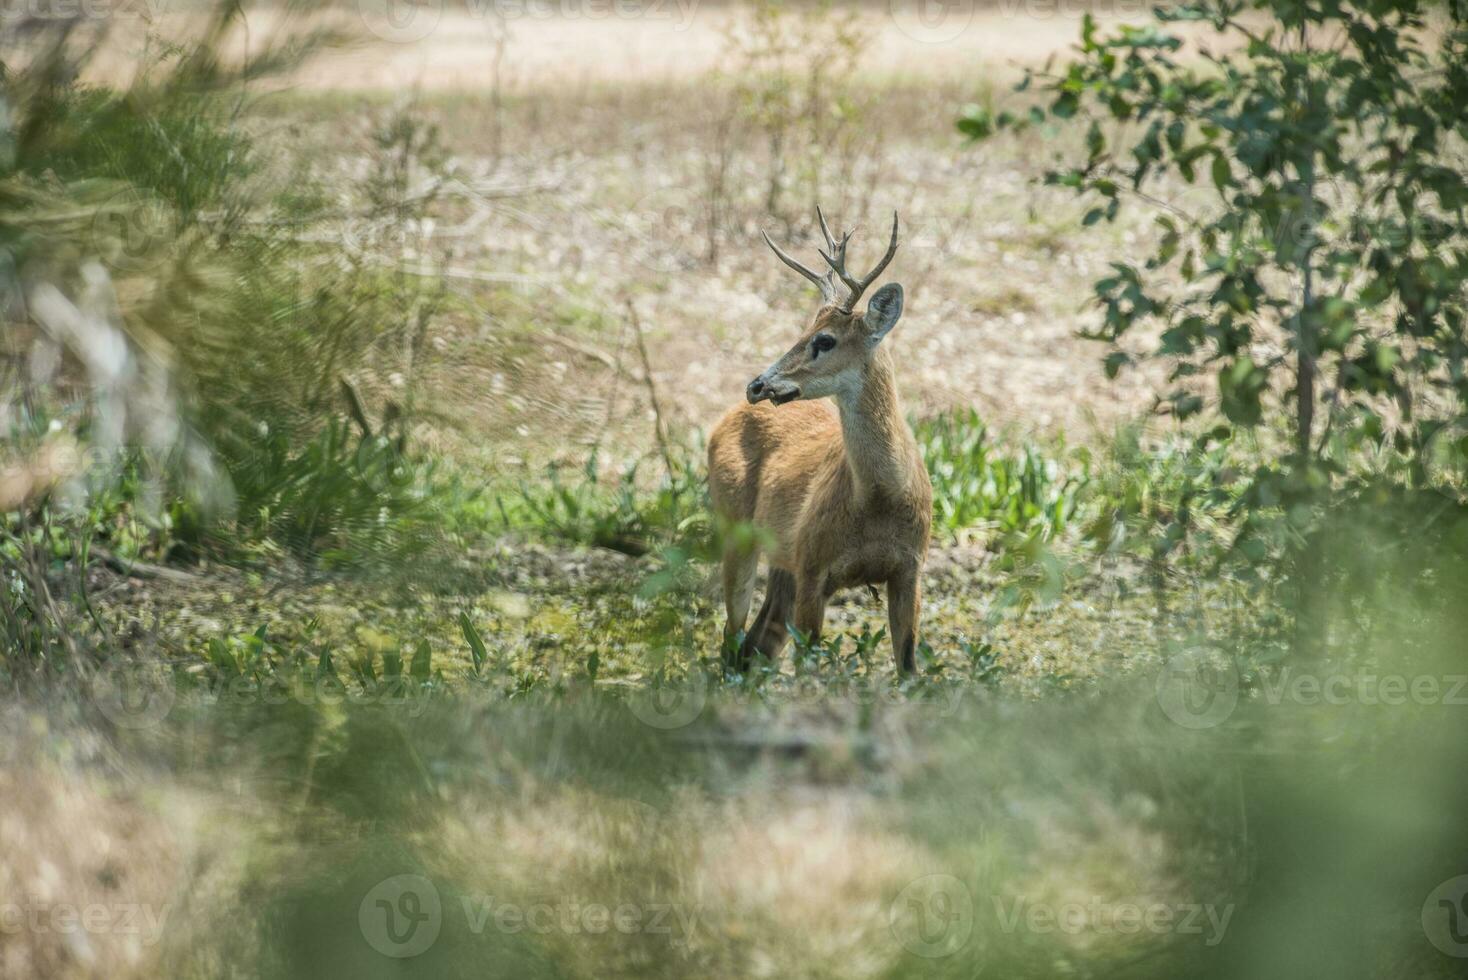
626 512
979 482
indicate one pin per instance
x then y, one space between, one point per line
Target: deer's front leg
810 606
903 597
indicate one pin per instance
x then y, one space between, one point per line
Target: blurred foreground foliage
1255 809
197 360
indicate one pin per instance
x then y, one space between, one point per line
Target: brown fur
843 493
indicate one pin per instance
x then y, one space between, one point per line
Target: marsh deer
843 494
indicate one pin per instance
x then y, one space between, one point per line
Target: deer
822 461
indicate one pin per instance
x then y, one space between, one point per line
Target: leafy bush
619 513
343 497
1315 271
1163 499
223 288
977 482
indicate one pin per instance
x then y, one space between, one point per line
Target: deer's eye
821 344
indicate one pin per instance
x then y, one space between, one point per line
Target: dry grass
541 365
451 46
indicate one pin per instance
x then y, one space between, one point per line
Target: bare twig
586 350
142 569
652 391
355 408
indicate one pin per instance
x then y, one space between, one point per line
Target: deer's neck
880 450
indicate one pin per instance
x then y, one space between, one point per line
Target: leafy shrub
1165 498
1312 276
617 513
228 295
342 496
979 483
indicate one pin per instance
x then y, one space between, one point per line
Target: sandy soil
456 44
613 106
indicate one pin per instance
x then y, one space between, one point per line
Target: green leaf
1186 404
422 667
392 663
976 123
1222 175
1240 385
476 643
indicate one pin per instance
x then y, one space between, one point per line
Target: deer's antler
835 256
824 282
837 261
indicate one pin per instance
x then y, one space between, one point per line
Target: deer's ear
883 309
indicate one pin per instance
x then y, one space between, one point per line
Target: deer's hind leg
739 570
768 634
904 597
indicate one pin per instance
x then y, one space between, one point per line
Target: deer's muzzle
759 389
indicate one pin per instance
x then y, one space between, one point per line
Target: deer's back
763 458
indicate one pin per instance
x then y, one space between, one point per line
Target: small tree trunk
1309 641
